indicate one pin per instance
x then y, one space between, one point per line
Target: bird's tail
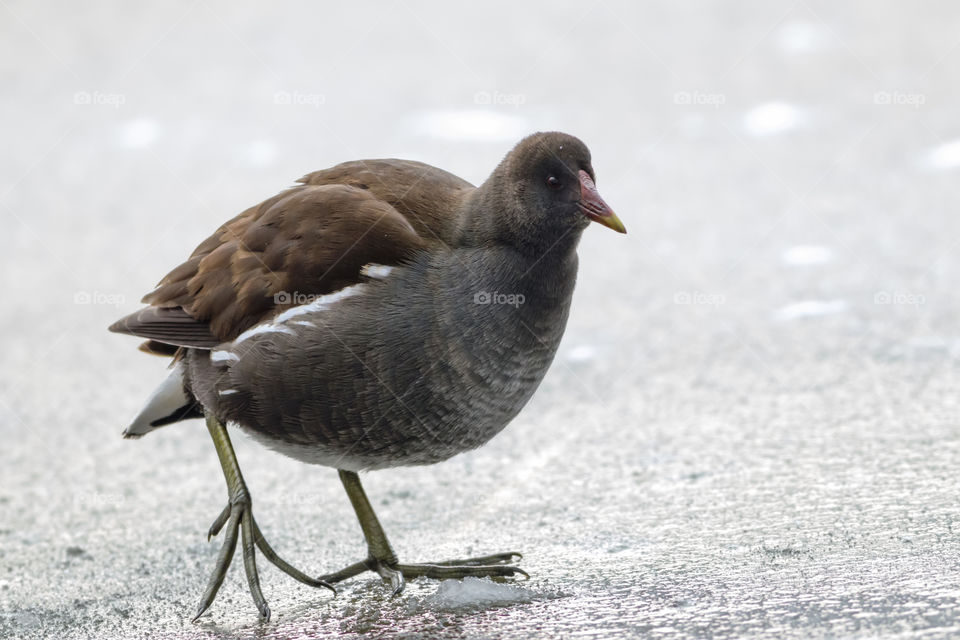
171 402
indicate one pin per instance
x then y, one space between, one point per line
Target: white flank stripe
223 356
278 324
320 304
378 271
227 392
263 328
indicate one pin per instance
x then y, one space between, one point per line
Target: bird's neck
489 218
478 216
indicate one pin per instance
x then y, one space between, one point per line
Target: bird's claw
238 516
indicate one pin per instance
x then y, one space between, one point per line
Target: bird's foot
498 565
238 516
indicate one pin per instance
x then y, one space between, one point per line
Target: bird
379 313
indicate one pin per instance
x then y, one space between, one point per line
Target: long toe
497 565
250 565
285 566
239 526
448 571
498 558
223 562
348 572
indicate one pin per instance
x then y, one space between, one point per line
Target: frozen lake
750 430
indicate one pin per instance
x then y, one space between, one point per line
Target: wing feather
312 239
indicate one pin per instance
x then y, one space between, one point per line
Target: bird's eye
553 182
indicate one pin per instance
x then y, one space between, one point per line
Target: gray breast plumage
412 366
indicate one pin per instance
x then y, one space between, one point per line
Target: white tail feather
168 398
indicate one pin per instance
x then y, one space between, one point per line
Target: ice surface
801 37
139 133
771 118
582 353
260 153
810 309
805 255
479 125
945 156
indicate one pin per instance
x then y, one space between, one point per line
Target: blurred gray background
751 427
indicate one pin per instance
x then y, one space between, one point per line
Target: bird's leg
238 516
383 560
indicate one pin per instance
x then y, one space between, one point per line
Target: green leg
238 516
383 560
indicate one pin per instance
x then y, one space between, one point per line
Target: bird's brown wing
425 195
310 240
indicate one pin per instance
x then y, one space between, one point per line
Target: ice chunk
476 593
